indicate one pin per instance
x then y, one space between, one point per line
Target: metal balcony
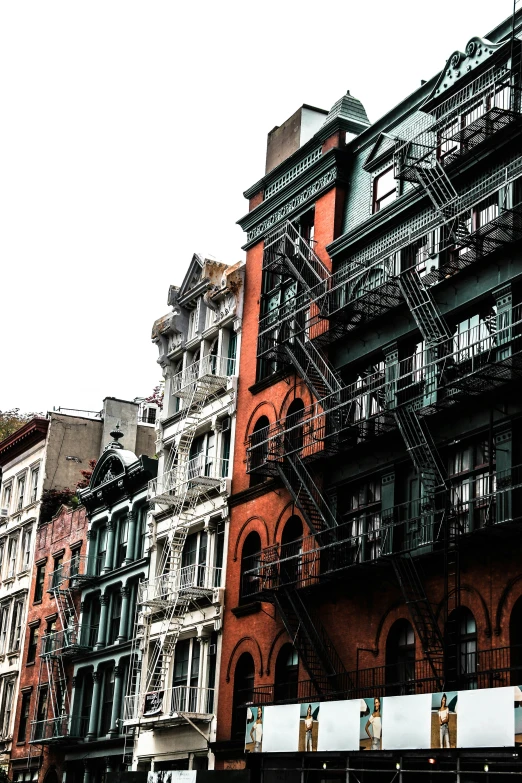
474 505
69 642
210 372
480 359
191 581
52 731
200 474
169 706
75 573
476 113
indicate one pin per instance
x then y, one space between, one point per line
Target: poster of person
370 730
518 714
254 730
308 727
444 719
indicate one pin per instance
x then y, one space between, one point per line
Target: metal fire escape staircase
165 599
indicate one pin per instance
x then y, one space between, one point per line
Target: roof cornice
22 440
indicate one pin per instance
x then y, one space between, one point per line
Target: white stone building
180 615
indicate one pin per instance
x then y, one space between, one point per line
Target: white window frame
35 471
5 610
12 553
26 550
21 482
7 495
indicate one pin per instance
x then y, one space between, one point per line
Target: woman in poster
444 722
256 732
375 722
309 722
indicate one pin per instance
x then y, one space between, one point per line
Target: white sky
128 133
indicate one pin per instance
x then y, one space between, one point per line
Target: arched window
461 649
294 426
286 674
400 659
259 453
291 547
243 693
250 561
515 641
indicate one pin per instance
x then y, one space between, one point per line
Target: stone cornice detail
283 212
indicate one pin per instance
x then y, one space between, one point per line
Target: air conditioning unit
212 649
225 424
4 512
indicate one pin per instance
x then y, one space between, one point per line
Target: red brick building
58 542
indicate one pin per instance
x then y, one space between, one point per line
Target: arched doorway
400 659
286 674
243 693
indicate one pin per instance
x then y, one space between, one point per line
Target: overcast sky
128 133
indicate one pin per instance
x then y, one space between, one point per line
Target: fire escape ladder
421 610
313 368
286 247
306 494
438 186
427 316
421 448
315 649
161 599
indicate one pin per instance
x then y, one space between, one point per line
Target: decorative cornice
322 183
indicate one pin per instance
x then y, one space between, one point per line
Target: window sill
38 601
245 609
31 663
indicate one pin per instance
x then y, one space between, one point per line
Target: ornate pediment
111 468
460 64
193 277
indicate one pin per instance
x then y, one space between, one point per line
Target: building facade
171 702
375 508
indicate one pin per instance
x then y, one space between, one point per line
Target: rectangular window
16 627
4 625
39 583
2 552
225 451
34 484
26 548
194 320
33 644
123 537
6 497
20 492
384 189
56 576
231 353
101 549
108 698
24 716
11 556
114 628
7 706
41 713
75 562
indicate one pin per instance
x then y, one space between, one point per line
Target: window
16 626
123 537
259 449
101 549
461 646
6 496
384 189
20 492
11 556
34 484
364 514
225 453
2 552
26 548
75 562
202 455
93 611
400 659
115 615
231 353
250 564
142 532
286 674
278 319
185 676
56 576
108 698
7 706
24 716
4 625
194 320
243 693
219 550
33 643
291 548
194 560
473 484
39 582
294 426
41 713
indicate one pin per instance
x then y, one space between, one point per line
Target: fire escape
164 600
58 647
326 307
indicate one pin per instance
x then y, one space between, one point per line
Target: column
130 554
124 618
204 701
87 772
102 629
116 704
95 706
90 560
74 727
109 555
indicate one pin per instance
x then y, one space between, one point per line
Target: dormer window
194 321
384 189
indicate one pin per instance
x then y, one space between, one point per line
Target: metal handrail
201 466
209 365
194 577
169 703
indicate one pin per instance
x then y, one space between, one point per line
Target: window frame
379 202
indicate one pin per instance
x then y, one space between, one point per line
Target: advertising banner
491 717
